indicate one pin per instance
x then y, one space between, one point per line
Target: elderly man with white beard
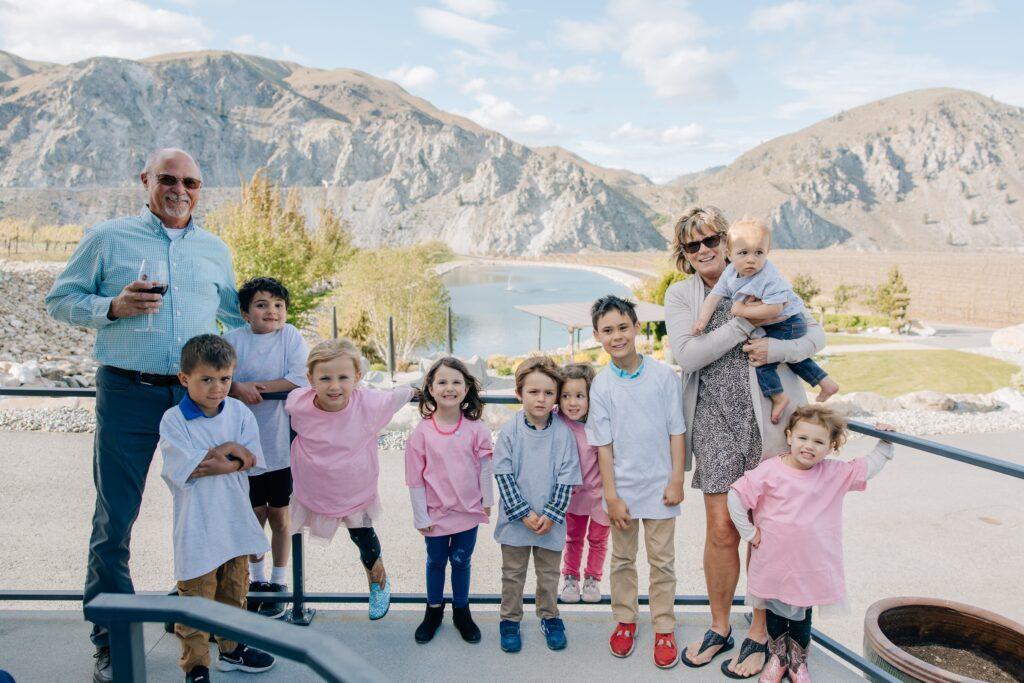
105 287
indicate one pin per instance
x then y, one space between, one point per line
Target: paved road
927 526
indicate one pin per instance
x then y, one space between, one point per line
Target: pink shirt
448 467
334 454
586 499
800 516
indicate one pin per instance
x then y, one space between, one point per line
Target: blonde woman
728 419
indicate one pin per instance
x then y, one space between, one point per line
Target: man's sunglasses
172 180
711 242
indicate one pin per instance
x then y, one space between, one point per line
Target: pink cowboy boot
775 669
797 667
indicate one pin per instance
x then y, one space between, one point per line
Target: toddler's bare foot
826 387
779 403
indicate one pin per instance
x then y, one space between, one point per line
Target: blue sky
661 88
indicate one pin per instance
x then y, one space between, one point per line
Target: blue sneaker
380 599
510 638
554 633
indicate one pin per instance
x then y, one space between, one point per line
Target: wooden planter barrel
893 622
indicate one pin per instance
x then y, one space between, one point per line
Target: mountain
927 169
73 139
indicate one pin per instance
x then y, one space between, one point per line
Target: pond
484 298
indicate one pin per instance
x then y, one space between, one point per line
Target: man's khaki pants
228 583
659 539
515 560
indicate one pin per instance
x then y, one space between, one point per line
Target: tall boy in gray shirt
536 465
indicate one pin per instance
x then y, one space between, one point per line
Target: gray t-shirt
637 417
538 459
768 285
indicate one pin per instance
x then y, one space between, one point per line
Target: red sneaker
623 639
665 653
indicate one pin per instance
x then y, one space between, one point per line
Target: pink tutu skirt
323 527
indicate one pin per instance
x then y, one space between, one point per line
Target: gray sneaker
101 672
591 591
571 590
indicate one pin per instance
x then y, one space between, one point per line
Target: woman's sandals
749 647
711 639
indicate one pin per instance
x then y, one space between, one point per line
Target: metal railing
123 615
301 614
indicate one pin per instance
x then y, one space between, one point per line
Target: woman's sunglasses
171 180
711 242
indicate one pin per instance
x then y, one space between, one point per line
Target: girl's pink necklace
444 433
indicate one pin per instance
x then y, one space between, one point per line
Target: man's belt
145 377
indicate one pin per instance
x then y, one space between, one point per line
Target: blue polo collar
191 411
627 375
151 220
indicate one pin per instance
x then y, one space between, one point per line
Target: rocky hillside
397 168
928 169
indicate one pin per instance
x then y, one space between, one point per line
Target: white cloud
250 44
581 74
962 11
473 85
481 9
781 17
661 40
479 34
61 31
413 77
689 133
503 116
628 131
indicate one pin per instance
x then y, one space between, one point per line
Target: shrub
805 287
892 300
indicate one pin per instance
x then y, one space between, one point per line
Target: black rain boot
431 622
463 621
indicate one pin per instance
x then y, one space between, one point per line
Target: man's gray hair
157 155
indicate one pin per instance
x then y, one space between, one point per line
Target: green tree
843 295
267 234
397 282
653 291
805 287
892 299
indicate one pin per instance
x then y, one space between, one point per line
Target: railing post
334 322
448 326
540 329
127 651
391 347
299 613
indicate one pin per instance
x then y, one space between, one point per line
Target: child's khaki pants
515 560
228 583
659 539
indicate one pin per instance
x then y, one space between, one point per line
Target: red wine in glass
153 273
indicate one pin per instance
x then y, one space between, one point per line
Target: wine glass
155 273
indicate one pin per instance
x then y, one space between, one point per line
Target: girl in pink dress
797 531
448 472
334 456
586 507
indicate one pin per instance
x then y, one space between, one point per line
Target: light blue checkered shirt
201 291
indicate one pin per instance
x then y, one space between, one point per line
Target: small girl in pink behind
335 465
573 405
797 533
448 471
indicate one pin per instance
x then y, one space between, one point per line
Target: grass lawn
892 373
847 339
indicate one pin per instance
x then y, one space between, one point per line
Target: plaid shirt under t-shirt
201 291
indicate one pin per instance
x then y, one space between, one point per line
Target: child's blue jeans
454 548
792 327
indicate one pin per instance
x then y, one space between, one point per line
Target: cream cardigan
682 303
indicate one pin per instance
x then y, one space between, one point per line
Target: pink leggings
575 530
